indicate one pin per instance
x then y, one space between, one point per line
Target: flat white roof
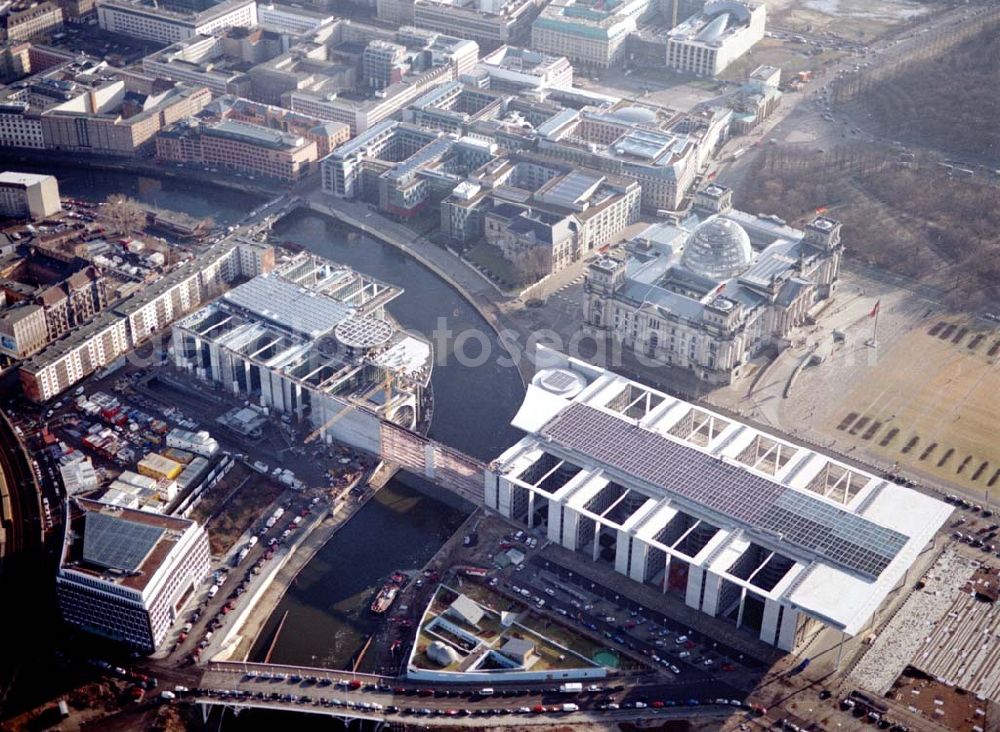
12 177
847 533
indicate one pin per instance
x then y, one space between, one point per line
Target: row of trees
916 222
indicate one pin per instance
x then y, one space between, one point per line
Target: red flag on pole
874 311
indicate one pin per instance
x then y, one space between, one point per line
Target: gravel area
913 624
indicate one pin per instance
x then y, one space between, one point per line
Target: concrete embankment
247 626
442 263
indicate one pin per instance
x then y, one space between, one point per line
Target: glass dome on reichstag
718 248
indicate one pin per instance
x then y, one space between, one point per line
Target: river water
402 527
328 617
223 205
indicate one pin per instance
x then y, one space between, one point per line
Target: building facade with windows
238 146
128 324
710 40
125 574
592 34
151 22
28 195
708 294
633 141
775 539
490 23
311 341
23 21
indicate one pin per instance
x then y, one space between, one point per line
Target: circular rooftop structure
635 115
561 382
718 249
363 332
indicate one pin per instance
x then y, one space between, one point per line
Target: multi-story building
57 79
344 169
22 330
311 340
291 19
638 142
23 21
769 537
28 195
541 214
114 128
512 69
756 100
74 301
238 146
708 294
126 575
130 322
326 135
20 126
140 19
383 63
218 62
68 290
15 60
588 33
454 107
710 40
430 59
490 23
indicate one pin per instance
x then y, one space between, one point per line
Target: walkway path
466 281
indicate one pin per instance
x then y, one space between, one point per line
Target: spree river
328 617
402 527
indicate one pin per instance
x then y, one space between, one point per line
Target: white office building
750 528
126 574
146 20
28 195
709 41
311 341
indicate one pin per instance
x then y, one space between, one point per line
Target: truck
573 687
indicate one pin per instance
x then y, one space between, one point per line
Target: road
320 691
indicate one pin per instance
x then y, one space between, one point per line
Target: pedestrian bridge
445 466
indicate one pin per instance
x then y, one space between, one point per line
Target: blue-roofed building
708 293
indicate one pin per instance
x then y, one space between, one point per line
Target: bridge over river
443 465
383 699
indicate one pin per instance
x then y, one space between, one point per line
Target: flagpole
874 340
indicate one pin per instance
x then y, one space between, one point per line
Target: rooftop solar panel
559 380
824 530
116 543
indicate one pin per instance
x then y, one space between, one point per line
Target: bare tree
533 262
123 215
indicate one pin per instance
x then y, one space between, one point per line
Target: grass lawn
497 268
563 636
240 511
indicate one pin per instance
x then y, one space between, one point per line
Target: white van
486 692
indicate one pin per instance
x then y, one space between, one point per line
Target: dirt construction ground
931 404
855 20
924 400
